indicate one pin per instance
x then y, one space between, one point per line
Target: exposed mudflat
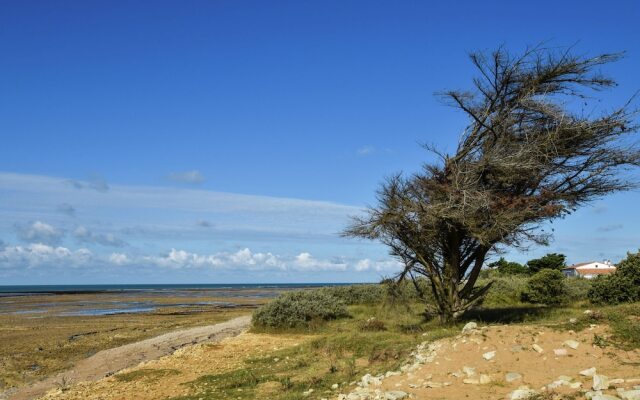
108 362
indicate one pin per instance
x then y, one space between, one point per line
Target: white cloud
378 266
84 235
39 232
366 150
119 259
41 254
306 262
193 176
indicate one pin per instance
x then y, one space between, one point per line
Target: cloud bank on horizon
53 230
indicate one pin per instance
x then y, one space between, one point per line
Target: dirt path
108 362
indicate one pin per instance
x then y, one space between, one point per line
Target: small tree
508 267
550 261
525 158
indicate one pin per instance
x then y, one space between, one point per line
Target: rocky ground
509 362
482 362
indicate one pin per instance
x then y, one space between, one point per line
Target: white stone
395 395
522 394
489 355
469 327
600 382
537 348
630 395
470 381
604 397
334 386
588 372
560 352
485 379
469 371
572 344
512 377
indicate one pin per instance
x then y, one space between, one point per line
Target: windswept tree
526 157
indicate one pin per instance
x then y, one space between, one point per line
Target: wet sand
44 334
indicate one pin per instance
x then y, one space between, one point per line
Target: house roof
574 266
595 271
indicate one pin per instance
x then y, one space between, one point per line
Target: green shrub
300 309
578 288
546 287
357 294
506 289
623 286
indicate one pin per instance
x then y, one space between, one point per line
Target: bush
357 294
300 309
578 288
506 289
546 287
623 286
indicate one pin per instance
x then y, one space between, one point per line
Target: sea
126 299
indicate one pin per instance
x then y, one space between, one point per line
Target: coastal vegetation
526 157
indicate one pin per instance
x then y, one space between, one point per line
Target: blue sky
229 141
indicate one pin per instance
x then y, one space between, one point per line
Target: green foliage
300 309
506 289
578 288
550 261
508 267
357 294
546 287
623 286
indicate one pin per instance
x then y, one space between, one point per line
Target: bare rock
560 352
395 395
522 394
512 377
600 382
469 327
485 379
588 372
572 344
630 394
489 355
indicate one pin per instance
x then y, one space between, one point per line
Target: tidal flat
45 333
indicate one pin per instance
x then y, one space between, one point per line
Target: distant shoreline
25 290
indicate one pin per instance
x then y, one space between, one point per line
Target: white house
590 269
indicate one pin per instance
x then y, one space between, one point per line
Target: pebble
489 355
560 352
537 348
522 394
600 382
512 377
588 372
395 395
572 344
630 395
469 327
